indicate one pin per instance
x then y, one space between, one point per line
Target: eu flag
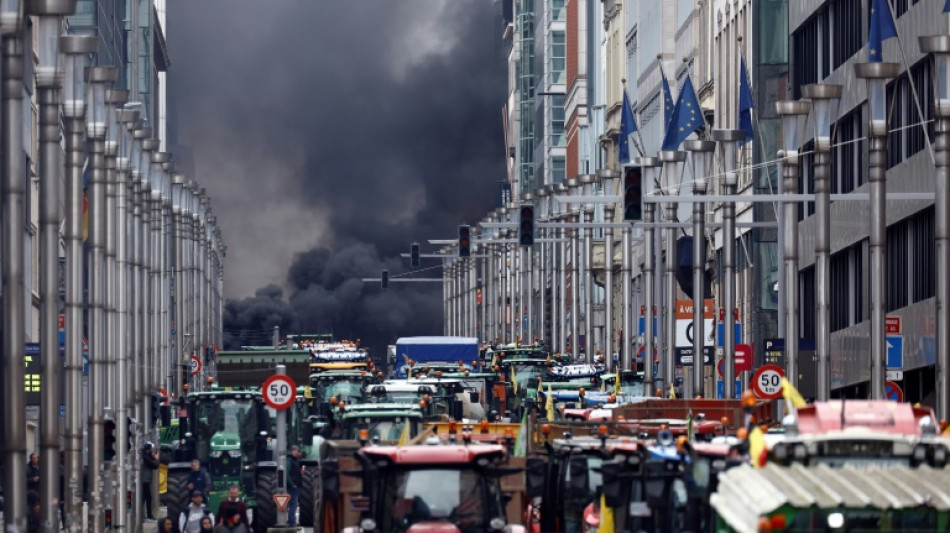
882 27
946 7
628 126
746 104
668 102
687 117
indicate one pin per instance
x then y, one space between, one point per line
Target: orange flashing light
185 386
681 443
341 405
778 522
742 434
602 430
483 426
748 399
453 427
765 524
438 373
724 420
545 429
659 393
364 434
333 400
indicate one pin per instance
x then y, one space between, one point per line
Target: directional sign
685 330
195 365
279 391
721 333
282 500
767 382
892 325
642 326
895 351
736 391
893 392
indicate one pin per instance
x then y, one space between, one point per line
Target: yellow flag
756 447
791 394
672 392
606 517
404 436
617 389
514 380
549 404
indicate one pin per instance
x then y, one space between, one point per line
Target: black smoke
330 135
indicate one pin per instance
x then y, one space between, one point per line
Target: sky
330 134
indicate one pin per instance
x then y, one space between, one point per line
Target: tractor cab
387 422
433 488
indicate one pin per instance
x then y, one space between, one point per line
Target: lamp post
138 304
49 79
146 255
12 275
793 113
701 156
648 166
587 183
75 49
824 98
541 214
574 216
610 179
561 268
671 160
99 79
939 46
876 74
526 264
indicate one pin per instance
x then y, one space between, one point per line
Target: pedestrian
233 503
32 511
294 480
207 525
231 523
190 519
149 465
167 525
198 478
33 473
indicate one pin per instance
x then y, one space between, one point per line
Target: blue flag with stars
882 28
668 102
687 117
746 104
946 7
628 126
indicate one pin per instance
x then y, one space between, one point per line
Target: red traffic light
526 228
465 241
632 194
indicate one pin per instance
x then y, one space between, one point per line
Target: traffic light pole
702 152
671 163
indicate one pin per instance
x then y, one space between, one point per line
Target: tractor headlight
368 524
497 523
234 453
216 453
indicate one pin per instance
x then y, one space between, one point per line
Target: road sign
85 356
685 330
721 365
892 325
893 392
279 391
195 365
767 382
164 395
895 351
642 348
282 500
894 375
736 391
743 360
721 333
642 326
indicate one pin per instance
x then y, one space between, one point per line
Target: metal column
671 163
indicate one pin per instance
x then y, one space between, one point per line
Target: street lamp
671 160
793 113
575 216
587 185
648 167
526 286
824 98
701 157
542 195
561 214
610 179
876 74
939 46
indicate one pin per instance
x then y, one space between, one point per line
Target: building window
848 154
806 183
807 312
558 169
906 134
557 55
847 287
557 10
896 273
924 255
557 120
773 40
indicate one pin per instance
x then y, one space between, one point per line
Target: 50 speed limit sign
767 382
279 392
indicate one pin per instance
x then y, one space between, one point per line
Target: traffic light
109 448
414 256
632 194
526 229
384 279
465 241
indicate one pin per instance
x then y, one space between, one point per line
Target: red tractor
428 488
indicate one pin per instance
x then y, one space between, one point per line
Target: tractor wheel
307 493
176 498
265 513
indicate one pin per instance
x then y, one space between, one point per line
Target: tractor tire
176 498
306 500
265 513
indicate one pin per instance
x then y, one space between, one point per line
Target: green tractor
232 433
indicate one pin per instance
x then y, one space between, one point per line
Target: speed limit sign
767 382
280 391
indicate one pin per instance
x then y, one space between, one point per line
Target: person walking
294 480
33 474
149 465
198 479
190 519
233 504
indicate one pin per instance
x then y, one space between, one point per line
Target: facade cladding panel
105 18
826 41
